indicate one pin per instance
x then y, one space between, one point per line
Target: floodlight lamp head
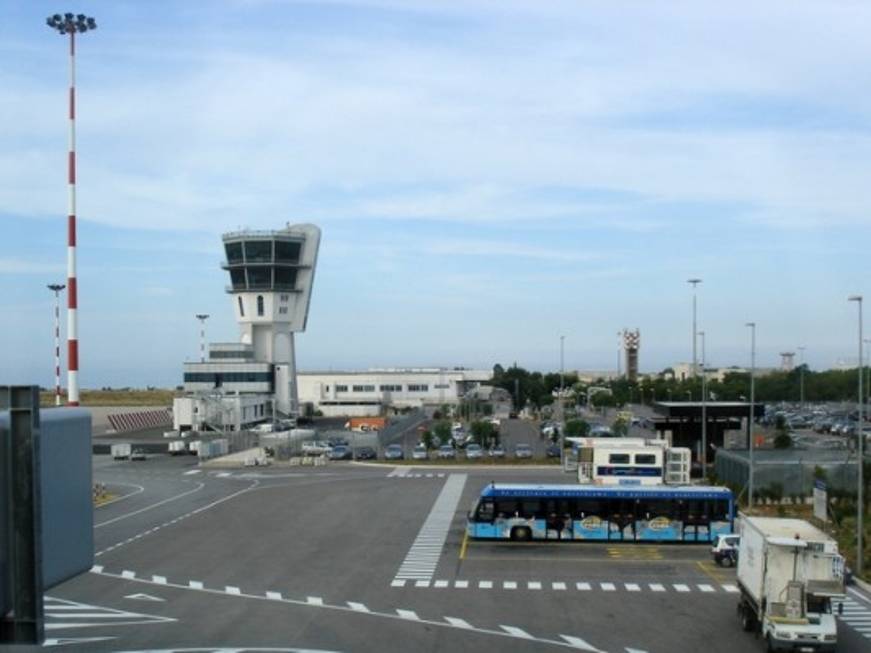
854 298
694 281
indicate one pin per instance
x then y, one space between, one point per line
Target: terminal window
414 387
258 251
442 386
234 252
390 388
259 277
341 388
364 388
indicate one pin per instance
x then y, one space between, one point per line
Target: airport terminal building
386 391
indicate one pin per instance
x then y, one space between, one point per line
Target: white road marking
397 583
408 614
193 471
153 505
456 622
584 587
160 580
128 574
145 597
579 643
357 607
485 584
97 569
229 589
509 585
533 585
314 600
632 587
706 588
139 490
657 587
63 641
681 587
461 584
223 474
421 583
62 614
273 596
422 559
608 587
559 586
440 583
514 631
399 471
195 585
733 589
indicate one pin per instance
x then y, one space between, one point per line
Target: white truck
121 451
789 574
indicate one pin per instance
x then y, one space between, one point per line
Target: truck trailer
121 451
789 575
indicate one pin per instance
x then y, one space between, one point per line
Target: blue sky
488 175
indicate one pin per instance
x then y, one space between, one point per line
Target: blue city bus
659 513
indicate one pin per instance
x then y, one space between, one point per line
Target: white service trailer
121 451
789 574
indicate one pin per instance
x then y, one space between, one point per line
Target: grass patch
125 397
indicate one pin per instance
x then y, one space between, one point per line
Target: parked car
138 454
315 448
497 451
725 550
365 453
419 453
522 451
338 442
341 452
474 451
447 451
552 451
394 452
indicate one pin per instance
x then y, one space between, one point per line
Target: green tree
482 432
620 428
577 428
442 430
782 440
426 438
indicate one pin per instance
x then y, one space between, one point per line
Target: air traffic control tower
271 277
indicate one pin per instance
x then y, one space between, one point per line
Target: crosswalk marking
509 585
274 596
578 643
608 587
456 622
61 614
485 584
559 586
422 559
357 607
408 614
583 586
733 589
680 587
440 583
857 616
632 587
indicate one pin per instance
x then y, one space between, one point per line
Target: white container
121 451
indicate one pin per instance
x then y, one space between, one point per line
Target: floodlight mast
56 288
72 24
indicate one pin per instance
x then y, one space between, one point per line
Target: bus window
585 507
506 508
720 510
618 458
485 511
651 508
531 509
645 459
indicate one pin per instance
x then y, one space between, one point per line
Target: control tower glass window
260 305
259 277
258 251
234 252
237 278
285 278
286 251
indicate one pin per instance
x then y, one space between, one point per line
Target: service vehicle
725 549
316 448
789 575
177 447
194 447
138 454
121 451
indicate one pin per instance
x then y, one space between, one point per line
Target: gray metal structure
46 505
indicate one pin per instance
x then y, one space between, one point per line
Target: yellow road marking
463 547
712 573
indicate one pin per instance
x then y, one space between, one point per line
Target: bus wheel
521 534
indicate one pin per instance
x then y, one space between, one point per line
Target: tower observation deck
271 277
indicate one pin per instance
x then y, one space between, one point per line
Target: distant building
683 371
631 345
385 391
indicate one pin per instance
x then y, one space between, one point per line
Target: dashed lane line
154 505
407 616
562 586
175 520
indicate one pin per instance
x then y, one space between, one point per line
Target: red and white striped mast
71 24
56 288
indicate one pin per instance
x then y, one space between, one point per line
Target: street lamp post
861 458
752 326
202 317
56 288
694 283
704 409
562 414
801 376
72 24
619 347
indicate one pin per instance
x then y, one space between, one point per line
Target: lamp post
704 409
72 24
694 283
202 317
562 415
801 376
619 346
752 326
861 457
56 289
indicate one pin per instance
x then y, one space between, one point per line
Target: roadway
351 557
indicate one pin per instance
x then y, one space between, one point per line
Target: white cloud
21 266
